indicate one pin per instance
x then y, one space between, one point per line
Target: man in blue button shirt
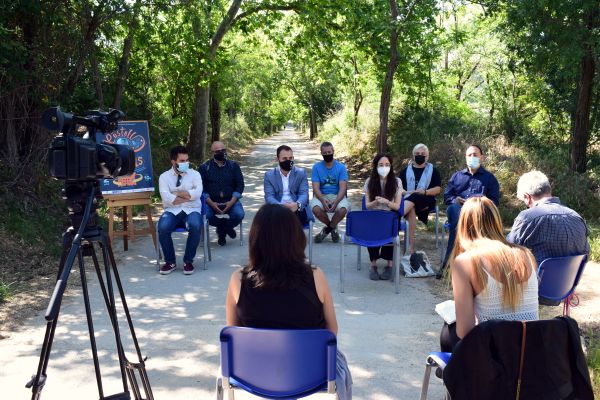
469 182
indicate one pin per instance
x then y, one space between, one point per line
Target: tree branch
267 7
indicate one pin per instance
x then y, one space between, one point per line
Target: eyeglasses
178 180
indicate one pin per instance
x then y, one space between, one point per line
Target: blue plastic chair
402 221
558 278
277 363
183 229
360 231
445 228
434 360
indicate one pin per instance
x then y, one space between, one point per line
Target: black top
298 308
436 180
221 183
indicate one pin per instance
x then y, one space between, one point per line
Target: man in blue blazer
288 185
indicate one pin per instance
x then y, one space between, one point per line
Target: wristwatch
299 206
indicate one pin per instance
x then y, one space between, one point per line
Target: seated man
288 185
547 228
180 189
422 182
469 182
329 182
223 187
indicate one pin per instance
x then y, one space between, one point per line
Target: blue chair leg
205 247
310 241
437 225
396 258
358 257
158 253
343 239
242 232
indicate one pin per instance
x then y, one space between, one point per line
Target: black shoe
221 240
231 233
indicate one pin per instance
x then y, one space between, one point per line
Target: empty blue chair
434 360
183 229
277 363
558 278
369 229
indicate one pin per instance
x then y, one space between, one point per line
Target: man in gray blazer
288 185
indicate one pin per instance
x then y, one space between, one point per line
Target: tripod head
77 194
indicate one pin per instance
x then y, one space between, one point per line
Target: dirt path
177 318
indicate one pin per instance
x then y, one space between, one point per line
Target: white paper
447 311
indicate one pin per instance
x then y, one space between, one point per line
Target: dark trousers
385 252
302 217
452 212
448 338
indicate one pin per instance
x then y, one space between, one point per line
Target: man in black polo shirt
223 186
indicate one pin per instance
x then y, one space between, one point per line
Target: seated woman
278 288
383 191
423 183
491 278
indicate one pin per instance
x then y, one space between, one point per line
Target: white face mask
383 171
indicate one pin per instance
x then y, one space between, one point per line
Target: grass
5 291
593 360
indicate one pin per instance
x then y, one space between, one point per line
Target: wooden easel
127 201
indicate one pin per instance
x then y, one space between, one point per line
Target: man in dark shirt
547 228
469 182
223 187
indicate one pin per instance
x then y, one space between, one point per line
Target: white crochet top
488 303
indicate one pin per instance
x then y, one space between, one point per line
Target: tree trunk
198 128
97 81
580 134
215 113
124 63
386 92
312 121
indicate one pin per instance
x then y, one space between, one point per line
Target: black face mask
328 158
419 159
286 165
220 156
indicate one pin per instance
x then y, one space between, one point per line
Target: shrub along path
178 318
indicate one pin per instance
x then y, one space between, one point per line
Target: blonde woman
491 278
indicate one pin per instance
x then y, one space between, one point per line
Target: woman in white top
491 278
383 191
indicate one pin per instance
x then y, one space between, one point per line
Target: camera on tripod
75 158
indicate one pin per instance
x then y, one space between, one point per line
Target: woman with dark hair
383 191
278 289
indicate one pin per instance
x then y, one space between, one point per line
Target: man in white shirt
181 190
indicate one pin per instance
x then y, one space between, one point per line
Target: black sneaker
321 235
221 240
335 236
231 233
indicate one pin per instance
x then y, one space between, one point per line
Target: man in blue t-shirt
329 182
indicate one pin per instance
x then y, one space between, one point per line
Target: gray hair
420 146
534 183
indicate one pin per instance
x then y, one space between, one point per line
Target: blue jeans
452 212
224 225
167 224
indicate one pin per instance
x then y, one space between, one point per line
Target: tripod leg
140 365
38 380
88 314
109 301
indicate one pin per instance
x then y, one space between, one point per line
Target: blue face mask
183 166
473 162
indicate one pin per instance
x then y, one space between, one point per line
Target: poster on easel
136 135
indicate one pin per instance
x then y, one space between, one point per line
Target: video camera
75 158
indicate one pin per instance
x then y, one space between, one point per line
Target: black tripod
81 200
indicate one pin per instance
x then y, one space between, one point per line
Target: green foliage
5 291
593 360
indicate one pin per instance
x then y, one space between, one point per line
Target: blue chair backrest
278 363
372 226
559 276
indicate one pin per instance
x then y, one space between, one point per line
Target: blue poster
136 135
